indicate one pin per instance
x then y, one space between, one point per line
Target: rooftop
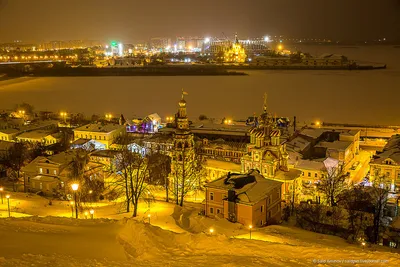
104 153
312 132
100 127
340 145
36 134
224 165
249 188
298 144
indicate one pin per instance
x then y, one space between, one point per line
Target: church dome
182 103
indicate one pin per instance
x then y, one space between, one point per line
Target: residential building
104 133
8 134
249 199
387 163
45 138
51 175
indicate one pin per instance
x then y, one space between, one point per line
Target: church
267 154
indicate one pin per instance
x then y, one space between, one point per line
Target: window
211 196
218 211
62 184
40 170
309 174
302 173
40 186
316 175
262 208
29 179
47 171
55 172
212 210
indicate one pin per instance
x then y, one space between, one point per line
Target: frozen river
333 96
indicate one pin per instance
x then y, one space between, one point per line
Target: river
370 97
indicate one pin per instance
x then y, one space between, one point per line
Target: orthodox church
265 152
235 53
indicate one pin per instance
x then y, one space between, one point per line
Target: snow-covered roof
100 127
339 145
44 178
249 188
36 134
298 144
312 132
311 165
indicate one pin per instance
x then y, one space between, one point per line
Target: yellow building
387 164
235 53
43 137
104 133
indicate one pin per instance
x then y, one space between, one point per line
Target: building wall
390 171
214 201
105 138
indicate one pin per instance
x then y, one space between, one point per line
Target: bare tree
333 184
160 169
357 202
188 167
379 194
14 159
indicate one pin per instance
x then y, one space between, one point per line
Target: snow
175 236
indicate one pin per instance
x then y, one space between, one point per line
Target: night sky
131 20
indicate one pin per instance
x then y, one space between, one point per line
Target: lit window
55 172
41 170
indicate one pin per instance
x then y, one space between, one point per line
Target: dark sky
133 20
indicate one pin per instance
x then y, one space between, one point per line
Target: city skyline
34 21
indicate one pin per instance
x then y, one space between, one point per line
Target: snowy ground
174 237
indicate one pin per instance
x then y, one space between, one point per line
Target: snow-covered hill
55 241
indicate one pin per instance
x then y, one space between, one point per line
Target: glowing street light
8 202
266 39
211 230
109 116
64 116
1 194
75 187
250 227
207 40
363 244
318 123
91 211
86 214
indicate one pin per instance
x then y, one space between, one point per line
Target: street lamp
108 117
1 194
91 211
211 231
250 227
149 216
86 214
8 201
64 116
363 244
75 188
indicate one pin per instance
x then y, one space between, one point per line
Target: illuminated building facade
183 153
236 53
